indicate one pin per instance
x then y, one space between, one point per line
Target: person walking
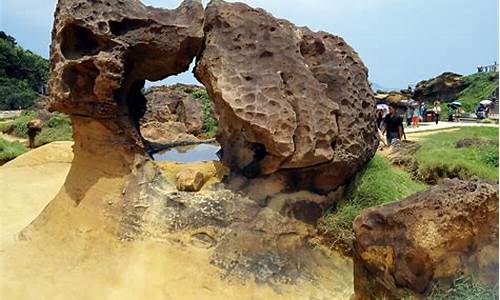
393 126
437 111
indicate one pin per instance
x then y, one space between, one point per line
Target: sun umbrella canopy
486 102
456 103
383 106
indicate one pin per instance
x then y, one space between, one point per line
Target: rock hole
78 41
126 25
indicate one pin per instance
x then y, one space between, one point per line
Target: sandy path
28 183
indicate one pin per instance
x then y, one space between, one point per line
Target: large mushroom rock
287 98
444 87
103 51
435 235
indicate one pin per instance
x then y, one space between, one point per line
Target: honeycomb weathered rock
286 97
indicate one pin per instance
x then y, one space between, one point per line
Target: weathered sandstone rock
287 98
174 104
102 52
444 87
435 235
189 180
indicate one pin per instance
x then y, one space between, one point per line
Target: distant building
489 68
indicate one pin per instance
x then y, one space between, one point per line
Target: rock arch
292 103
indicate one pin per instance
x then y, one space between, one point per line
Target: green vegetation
481 86
465 288
210 124
22 74
10 150
439 157
56 128
377 184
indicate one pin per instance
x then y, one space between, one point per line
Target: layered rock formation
436 235
444 87
289 100
172 115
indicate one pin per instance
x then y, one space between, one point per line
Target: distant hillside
23 74
448 87
480 87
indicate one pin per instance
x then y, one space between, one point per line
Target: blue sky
401 41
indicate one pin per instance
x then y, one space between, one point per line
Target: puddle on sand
191 153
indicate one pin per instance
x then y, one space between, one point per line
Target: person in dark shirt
393 126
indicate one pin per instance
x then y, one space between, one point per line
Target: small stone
189 180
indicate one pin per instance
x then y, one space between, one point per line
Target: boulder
288 99
189 180
444 87
435 235
174 104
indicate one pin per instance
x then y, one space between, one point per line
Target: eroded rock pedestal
290 101
436 235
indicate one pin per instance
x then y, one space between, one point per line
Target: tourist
480 112
34 127
380 118
416 118
393 126
409 115
451 113
437 111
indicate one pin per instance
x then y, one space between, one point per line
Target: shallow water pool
191 153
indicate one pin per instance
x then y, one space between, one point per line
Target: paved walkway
445 125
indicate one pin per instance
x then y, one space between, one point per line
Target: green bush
57 128
10 150
19 124
465 288
377 184
15 94
210 124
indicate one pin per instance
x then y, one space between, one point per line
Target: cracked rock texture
436 235
287 98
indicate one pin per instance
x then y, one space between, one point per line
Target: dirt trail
74 255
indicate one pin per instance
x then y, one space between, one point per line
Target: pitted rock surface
436 235
174 103
287 98
102 52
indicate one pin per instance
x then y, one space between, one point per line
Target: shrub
10 150
210 123
465 288
19 124
57 128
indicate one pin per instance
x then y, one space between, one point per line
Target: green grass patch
481 86
465 288
10 150
439 157
377 184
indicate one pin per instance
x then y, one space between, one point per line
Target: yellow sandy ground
71 252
